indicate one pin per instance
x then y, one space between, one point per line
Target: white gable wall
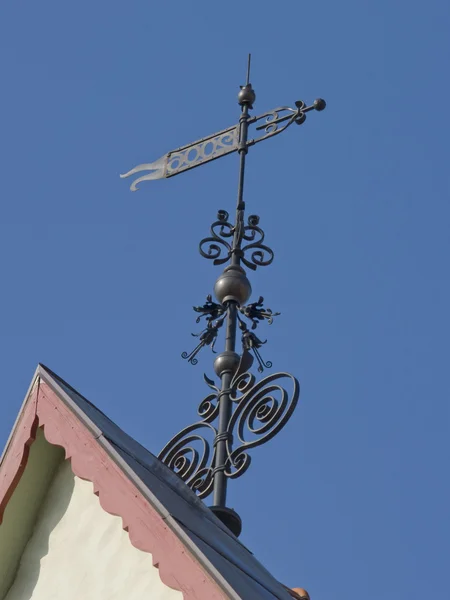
77 550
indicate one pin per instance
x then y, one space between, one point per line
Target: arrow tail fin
157 168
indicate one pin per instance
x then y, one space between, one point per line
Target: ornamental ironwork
260 410
215 314
245 242
239 413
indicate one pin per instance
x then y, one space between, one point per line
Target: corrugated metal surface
215 547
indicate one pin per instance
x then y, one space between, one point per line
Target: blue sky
351 499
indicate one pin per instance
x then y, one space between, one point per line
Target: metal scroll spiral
216 247
279 119
189 453
273 120
261 255
261 410
219 245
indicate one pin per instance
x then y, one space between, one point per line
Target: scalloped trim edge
118 496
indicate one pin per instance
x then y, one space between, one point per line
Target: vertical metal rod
220 479
240 207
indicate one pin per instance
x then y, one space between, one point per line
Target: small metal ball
233 285
226 361
319 104
247 95
302 593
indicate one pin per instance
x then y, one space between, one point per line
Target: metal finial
248 68
239 413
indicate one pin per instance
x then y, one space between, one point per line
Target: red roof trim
16 456
147 530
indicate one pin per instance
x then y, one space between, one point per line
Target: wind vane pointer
226 141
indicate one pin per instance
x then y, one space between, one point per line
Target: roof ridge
63 381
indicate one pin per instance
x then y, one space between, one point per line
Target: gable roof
161 513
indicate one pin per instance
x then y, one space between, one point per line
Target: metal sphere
319 104
247 95
233 285
227 361
302 593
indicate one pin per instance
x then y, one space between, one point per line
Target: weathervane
253 412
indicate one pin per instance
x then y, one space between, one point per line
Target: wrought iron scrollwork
260 254
273 119
213 246
222 242
189 452
281 118
260 411
189 455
